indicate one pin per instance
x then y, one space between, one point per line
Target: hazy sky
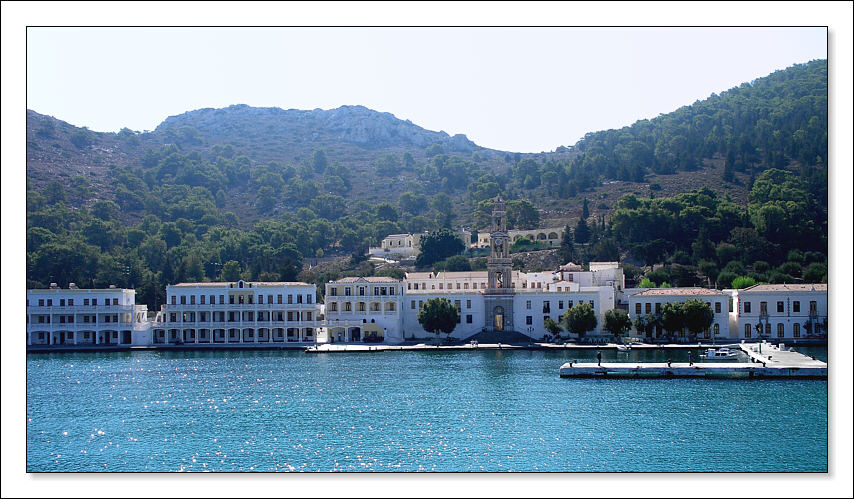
516 89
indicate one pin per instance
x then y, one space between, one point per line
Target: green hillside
265 188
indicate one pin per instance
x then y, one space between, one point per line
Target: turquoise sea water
408 411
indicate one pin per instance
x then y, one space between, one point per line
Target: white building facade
498 299
784 312
398 246
103 317
238 313
651 301
364 309
549 236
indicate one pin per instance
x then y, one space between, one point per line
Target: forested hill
769 123
265 187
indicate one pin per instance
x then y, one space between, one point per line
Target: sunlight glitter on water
408 411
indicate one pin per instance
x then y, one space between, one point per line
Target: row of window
547 308
62 302
462 286
241 299
86 319
238 316
796 307
781 330
361 306
648 308
457 304
378 290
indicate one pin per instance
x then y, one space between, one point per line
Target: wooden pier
766 361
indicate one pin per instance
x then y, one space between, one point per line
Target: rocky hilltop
351 124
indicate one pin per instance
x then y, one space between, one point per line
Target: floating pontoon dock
767 361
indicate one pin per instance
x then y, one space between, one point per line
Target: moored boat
720 353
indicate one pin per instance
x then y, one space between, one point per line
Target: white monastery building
782 311
85 317
650 301
398 246
496 300
366 309
383 309
237 313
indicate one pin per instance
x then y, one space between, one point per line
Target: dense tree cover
187 210
766 123
694 315
456 263
779 121
438 245
522 214
709 240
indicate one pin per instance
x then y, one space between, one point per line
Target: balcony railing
79 309
240 306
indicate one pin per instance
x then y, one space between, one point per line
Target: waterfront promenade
311 347
349 347
772 362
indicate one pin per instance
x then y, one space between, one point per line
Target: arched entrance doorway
498 318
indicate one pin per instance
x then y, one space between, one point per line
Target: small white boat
623 348
721 353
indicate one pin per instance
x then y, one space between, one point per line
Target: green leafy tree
815 272
319 161
438 316
617 322
522 214
386 211
566 252
287 261
442 204
698 315
645 324
580 319
437 246
412 202
329 206
672 318
434 150
388 165
192 269
646 283
456 263
408 160
105 210
742 282
230 271
792 268
81 138
54 192
582 232
553 327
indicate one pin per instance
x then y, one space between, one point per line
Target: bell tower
498 297
498 264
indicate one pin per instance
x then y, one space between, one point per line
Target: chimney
53 286
72 285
